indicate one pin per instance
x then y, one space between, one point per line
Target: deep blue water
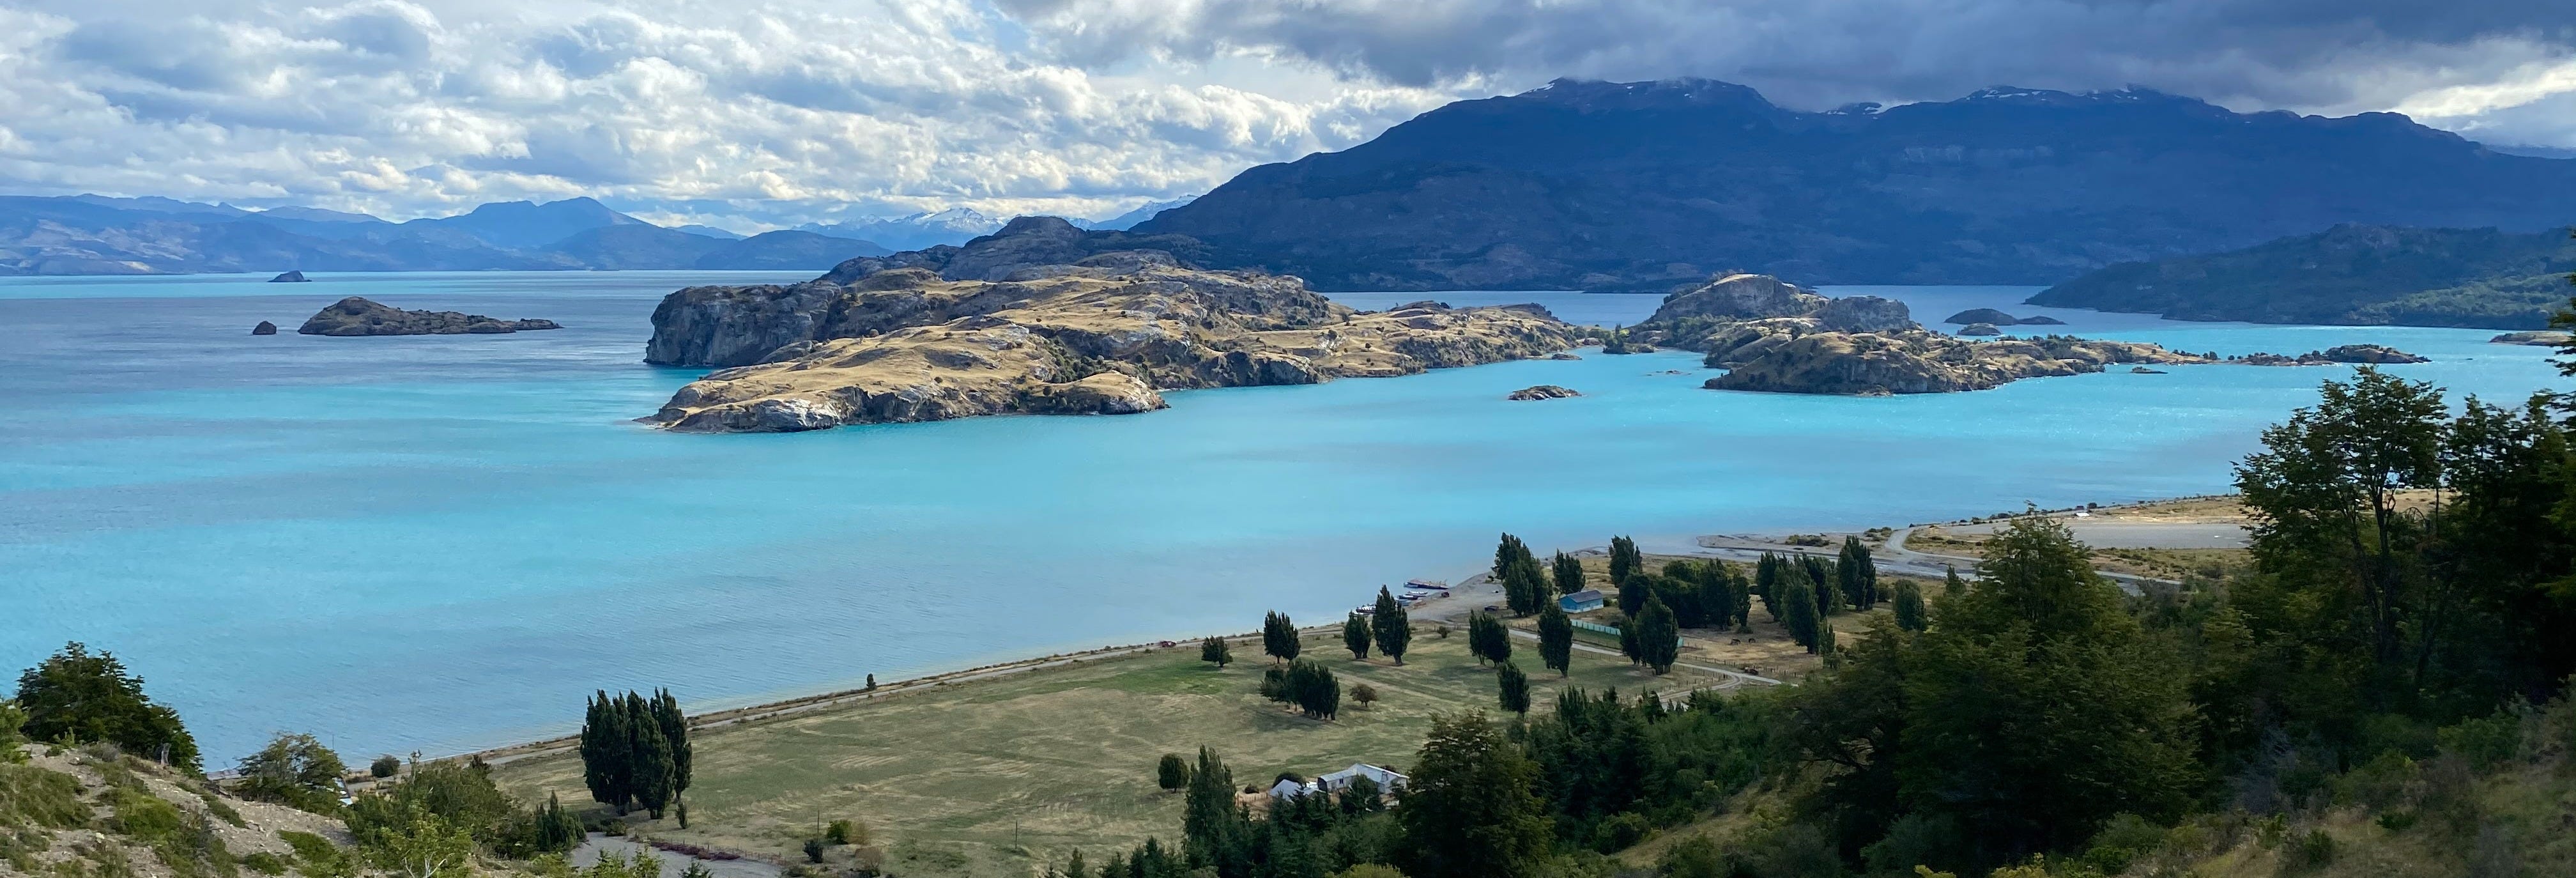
438 543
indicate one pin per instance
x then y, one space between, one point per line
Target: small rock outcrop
358 316
1096 336
2142 370
292 277
1980 329
1981 315
264 328
1543 391
2537 337
2039 320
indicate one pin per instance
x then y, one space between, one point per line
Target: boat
1427 585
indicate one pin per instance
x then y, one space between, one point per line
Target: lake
443 543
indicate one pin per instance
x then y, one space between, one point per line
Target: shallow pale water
439 543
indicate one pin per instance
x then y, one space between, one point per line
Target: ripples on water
439 543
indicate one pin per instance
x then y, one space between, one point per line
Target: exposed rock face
358 316
1543 391
1981 315
1739 297
292 277
1980 329
1095 336
264 328
1913 361
2540 337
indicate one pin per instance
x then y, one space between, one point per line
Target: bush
2484 742
1364 693
1619 832
846 832
1172 772
2314 851
385 766
814 850
294 770
31 796
265 863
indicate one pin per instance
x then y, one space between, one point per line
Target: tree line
635 751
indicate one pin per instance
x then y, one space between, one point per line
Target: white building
1388 782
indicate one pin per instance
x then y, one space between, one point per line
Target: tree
1624 559
1633 592
1511 552
1313 689
422 845
79 696
1279 637
1394 631
1364 693
675 731
1470 810
1555 639
1210 822
1173 772
1716 594
13 737
1487 638
1515 689
1798 611
1524 587
1952 585
385 766
1214 650
557 829
1355 636
654 773
1629 644
1911 614
1566 572
1766 583
607 751
1858 574
1821 572
1658 636
294 770
1363 796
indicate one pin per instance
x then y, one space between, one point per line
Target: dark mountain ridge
1596 185
2350 274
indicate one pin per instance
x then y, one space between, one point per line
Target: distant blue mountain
1128 220
90 234
1598 185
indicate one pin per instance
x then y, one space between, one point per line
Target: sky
753 115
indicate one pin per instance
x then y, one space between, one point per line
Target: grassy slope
991 777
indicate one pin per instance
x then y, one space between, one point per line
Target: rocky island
1775 336
1543 391
358 316
292 277
1036 319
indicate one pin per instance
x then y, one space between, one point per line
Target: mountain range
1643 185
2349 274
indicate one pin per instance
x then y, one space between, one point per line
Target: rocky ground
996 328
95 812
359 316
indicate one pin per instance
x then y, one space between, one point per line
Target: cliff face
1096 336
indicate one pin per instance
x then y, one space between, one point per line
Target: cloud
788 110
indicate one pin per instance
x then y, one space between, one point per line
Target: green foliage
1211 826
1474 791
1565 573
1858 575
2347 275
1355 636
1525 588
36 797
1313 689
556 828
461 798
143 816
1911 613
1658 636
265 863
1555 639
13 736
1487 638
1514 689
1510 553
1173 772
1279 638
1364 693
1215 651
853 832
1393 628
76 695
385 766
1797 607
1625 559
294 770
635 750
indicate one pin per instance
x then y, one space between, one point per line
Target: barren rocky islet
244 517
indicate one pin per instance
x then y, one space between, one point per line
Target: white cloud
773 112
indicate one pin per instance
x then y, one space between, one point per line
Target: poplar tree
1910 612
1279 636
1715 591
1766 583
1829 598
1510 552
653 764
1555 639
1628 642
1567 573
1210 823
607 747
1355 637
1858 575
1633 592
1524 587
1488 638
675 729
1798 607
1624 559
1394 631
1658 636
1515 689
1951 585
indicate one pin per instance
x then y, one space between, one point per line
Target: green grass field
999 777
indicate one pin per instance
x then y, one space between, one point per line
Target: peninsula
1036 319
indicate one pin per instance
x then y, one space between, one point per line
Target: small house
1291 789
1387 781
1587 599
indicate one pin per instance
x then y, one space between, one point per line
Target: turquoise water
439 543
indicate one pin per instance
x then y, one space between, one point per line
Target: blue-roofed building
1587 599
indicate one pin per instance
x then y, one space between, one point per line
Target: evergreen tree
1624 559
1210 822
1515 689
1743 589
1312 688
675 729
1524 587
1279 637
607 752
653 772
1363 796
1509 553
1470 809
1658 636
1555 639
1829 597
1488 638
1394 631
1075 868
558 830
1633 592
1629 645
1567 573
1951 585
1355 636
1859 575
1910 612
79 696
1214 650
1766 583
1798 607
1172 772
1716 594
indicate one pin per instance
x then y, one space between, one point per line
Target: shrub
1619 832
294 770
385 766
2484 742
144 816
814 850
1172 772
265 863
1364 693
846 832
